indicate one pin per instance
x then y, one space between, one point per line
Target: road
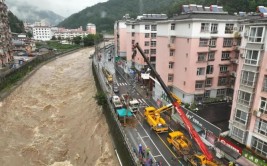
141 132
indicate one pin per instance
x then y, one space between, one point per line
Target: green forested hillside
15 24
105 14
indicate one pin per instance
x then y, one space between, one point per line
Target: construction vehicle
183 147
206 156
153 118
107 75
130 102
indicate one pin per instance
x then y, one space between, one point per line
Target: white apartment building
43 33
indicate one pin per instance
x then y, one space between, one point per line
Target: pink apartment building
120 37
195 53
248 122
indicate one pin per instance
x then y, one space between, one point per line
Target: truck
116 101
183 147
188 125
131 103
153 118
107 75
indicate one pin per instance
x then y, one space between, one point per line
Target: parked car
115 88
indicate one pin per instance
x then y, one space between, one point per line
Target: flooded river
52 119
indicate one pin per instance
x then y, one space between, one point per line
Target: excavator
153 118
198 159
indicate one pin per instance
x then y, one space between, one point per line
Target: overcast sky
62 7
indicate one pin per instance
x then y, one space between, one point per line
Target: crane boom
177 106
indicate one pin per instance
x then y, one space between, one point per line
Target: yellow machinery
152 116
184 148
107 75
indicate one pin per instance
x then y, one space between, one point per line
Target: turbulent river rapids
52 119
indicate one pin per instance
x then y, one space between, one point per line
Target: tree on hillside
15 24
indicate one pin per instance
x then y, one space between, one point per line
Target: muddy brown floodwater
52 119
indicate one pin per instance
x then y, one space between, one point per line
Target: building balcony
224 73
233 73
234 60
171 46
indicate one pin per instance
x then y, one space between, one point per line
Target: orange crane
177 106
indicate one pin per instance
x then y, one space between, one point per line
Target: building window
199 84
171 65
264 87
209 69
207 93
221 92
153 35
200 71
153 43
152 59
147 27
225 55
259 146
133 41
172 26
133 33
201 57
261 127
146 35
213 42
146 43
204 27
146 51
211 56
223 69
153 27
229 28
153 51
170 77
172 52
214 28
172 39
222 81
241 116
248 78
252 57
227 42
244 98
203 42
256 34
132 26
263 105
208 82
238 133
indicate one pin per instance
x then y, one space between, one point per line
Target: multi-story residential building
120 36
43 33
6 54
91 28
201 44
248 122
64 33
143 30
